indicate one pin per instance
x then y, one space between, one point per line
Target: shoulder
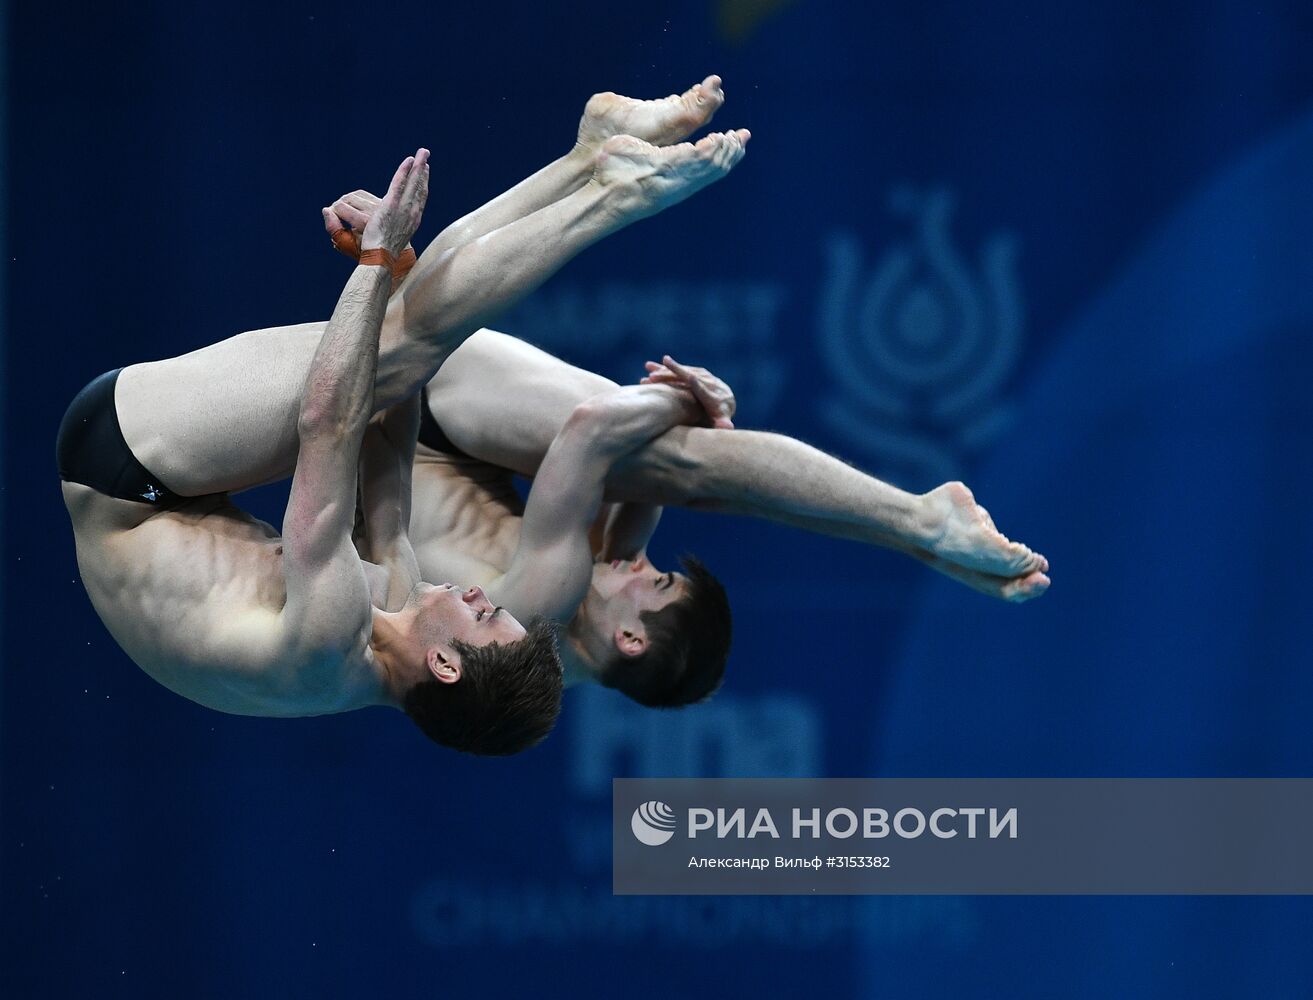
320 669
325 632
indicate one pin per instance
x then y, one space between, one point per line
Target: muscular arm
552 566
327 593
387 456
327 606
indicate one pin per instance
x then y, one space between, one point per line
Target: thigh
221 419
502 401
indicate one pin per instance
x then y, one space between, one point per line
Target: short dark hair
687 647
507 698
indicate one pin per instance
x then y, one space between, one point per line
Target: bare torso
503 400
465 518
193 596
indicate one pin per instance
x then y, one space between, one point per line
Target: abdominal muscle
194 597
464 520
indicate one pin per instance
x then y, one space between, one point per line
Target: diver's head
475 678
660 637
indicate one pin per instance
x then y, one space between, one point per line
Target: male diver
210 602
498 403
660 637
217 607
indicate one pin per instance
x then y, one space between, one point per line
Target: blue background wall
1060 251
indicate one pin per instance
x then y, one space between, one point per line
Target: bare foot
645 179
963 534
659 122
1014 589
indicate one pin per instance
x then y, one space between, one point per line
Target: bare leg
450 296
502 401
660 122
605 152
783 480
224 418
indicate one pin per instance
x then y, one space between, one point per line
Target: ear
631 641
443 665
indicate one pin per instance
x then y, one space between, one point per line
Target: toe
1026 588
1024 560
709 93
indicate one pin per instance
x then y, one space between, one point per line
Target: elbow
312 422
596 429
321 423
590 419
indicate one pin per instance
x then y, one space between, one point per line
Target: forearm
552 183
628 530
567 490
339 390
387 457
402 571
385 510
631 416
770 476
387 546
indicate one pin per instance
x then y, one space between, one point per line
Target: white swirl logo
653 823
921 344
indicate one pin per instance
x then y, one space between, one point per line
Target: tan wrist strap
378 257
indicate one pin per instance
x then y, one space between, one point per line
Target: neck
576 661
387 644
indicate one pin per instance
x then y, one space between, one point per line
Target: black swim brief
91 450
430 434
